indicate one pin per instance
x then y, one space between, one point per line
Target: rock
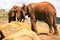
13 27
23 35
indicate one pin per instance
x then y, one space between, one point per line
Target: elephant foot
55 30
50 32
56 33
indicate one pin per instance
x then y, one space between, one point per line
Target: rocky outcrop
23 35
18 31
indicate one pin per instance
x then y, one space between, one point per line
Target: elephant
15 15
44 11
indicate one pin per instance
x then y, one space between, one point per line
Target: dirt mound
23 35
18 31
13 27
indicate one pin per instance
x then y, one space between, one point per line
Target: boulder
23 35
13 27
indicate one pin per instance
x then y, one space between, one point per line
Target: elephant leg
50 24
55 26
33 24
33 19
50 30
55 30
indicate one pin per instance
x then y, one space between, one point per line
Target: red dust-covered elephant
15 14
44 11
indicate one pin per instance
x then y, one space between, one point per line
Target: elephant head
14 13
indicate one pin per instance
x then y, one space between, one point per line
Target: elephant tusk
16 19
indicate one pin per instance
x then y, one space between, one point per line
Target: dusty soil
42 27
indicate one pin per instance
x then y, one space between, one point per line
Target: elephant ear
23 5
24 9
